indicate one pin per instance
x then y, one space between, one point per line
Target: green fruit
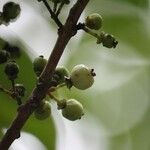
82 77
39 64
94 21
60 74
43 111
12 70
73 110
3 56
109 41
11 11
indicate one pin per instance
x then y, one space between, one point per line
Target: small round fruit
14 51
61 72
3 56
43 111
12 70
11 11
109 41
94 21
82 77
73 110
38 65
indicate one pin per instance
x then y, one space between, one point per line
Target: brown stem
53 16
42 87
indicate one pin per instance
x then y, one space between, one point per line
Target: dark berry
4 55
109 41
11 11
14 51
12 70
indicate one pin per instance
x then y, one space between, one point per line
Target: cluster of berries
94 22
10 12
7 57
81 77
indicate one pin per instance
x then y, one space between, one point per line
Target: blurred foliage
8 106
120 98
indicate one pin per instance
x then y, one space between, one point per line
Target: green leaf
44 130
8 106
118 6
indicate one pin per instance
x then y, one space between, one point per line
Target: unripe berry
3 56
11 11
61 72
12 70
82 77
94 21
43 111
109 41
73 110
38 65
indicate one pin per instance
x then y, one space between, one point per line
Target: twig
11 93
53 97
53 89
53 16
55 7
42 87
87 30
5 91
60 8
13 84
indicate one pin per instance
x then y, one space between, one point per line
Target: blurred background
117 107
